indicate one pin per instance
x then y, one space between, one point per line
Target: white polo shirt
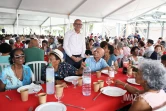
74 44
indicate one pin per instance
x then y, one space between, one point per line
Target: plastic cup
96 86
42 98
98 74
24 94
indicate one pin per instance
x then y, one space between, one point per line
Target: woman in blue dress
17 74
109 56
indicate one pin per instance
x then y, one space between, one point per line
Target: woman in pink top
152 77
126 49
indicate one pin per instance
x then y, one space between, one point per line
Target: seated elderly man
152 77
96 63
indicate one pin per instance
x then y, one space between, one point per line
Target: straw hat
58 53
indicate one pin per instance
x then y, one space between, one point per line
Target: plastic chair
3 65
36 68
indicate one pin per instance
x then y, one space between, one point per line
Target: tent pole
17 23
148 30
162 29
50 25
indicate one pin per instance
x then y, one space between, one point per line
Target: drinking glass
108 81
59 97
75 82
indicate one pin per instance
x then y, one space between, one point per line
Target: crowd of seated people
99 55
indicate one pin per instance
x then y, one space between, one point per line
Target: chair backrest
36 68
3 65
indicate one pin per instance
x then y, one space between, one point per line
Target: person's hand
79 59
86 56
59 82
83 65
119 82
74 58
45 49
64 84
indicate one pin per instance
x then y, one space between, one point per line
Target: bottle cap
50 64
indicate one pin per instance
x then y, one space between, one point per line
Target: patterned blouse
63 71
11 81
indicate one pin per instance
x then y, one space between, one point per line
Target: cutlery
82 108
30 109
8 97
97 96
42 89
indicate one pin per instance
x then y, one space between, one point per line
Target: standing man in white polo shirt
74 45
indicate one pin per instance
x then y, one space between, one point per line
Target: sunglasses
19 56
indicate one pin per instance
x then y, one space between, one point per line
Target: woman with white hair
152 77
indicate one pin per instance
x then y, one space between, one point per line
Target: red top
20 45
71 96
164 52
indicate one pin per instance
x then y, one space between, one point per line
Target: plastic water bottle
50 79
86 85
111 72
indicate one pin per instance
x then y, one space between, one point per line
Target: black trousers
73 63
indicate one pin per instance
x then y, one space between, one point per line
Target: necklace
16 73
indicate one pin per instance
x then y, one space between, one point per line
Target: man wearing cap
74 45
150 49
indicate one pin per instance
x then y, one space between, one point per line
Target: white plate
70 78
30 88
51 106
113 91
106 72
132 81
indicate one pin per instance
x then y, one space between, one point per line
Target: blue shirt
11 81
4 59
112 58
95 66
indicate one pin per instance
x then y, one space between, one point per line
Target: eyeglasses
19 56
77 24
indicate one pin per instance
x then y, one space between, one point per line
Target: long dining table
71 96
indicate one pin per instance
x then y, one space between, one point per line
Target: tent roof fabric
37 12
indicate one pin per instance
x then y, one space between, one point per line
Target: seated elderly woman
152 77
17 74
61 68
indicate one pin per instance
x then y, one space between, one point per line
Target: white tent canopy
38 12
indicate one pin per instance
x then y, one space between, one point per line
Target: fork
8 97
79 107
97 96
30 109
